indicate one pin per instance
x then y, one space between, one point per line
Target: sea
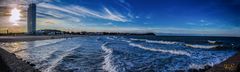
125 53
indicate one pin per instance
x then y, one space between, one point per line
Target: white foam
110 38
137 39
212 42
196 66
201 46
55 62
108 66
153 41
161 50
46 42
126 41
161 42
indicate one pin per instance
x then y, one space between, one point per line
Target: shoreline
232 64
33 38
10 63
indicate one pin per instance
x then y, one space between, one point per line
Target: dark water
125 53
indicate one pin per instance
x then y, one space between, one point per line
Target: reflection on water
13 47
31 44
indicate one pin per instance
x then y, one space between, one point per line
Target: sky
175 17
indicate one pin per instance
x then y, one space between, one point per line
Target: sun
15 16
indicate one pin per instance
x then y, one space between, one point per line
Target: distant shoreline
33 38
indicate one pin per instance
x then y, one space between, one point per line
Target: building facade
31 19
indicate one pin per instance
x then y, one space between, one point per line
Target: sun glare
15 16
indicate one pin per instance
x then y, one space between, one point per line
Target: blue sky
191 17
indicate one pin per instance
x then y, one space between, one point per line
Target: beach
9 61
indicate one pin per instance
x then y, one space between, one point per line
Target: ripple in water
116 54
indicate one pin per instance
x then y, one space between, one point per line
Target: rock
207 67
193 70
28 62
32 64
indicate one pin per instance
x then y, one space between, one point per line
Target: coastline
33 38
10 63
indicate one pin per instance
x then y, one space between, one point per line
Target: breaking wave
160 50
55 61
199 66
110 38
153 41
108 66
118 54
179 43
211 42
201 46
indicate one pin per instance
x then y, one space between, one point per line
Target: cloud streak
85 12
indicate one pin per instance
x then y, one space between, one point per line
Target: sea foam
108 66
55 62
212 42
201 46
161 50
154 41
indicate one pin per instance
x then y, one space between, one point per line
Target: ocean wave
153 41
53 63
199 66
212 42
126 41
45 42
108 66
201 46
22 46
110 38
160 50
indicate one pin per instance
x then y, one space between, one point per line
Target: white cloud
56 14
83 12
54 7
114 16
